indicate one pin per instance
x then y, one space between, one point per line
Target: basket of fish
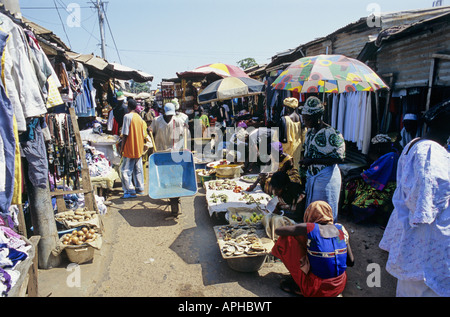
244 247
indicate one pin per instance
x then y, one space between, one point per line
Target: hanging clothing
35 152
7 140
21 82
295 136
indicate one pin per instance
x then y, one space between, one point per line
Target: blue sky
163 37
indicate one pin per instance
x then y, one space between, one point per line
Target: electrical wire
64 28
112 35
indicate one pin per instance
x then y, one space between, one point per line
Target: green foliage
247 63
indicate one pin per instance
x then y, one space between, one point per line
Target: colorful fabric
325 143
417 235
313 106
330 74
360 194
220 69
327 254
382 171
292 251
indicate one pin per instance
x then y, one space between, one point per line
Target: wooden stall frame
86 185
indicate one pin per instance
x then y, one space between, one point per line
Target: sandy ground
145 255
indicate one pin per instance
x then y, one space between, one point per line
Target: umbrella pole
232 110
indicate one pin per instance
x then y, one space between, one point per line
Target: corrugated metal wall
409 58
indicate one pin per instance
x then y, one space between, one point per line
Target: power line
64 28
112 35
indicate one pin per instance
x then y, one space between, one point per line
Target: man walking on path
134 132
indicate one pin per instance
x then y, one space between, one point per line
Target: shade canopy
218 70
230 88
103 69
328 74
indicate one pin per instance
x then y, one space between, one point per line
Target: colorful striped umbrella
328 74
230 88
219 69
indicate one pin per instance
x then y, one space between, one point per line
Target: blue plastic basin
171 175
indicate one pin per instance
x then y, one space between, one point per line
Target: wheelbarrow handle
153 141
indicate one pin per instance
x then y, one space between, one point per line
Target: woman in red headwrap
316 253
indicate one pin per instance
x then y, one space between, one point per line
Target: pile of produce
254 218
78 215
80 237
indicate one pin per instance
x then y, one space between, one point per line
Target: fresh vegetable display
80 237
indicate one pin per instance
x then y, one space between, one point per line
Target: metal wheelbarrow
171 175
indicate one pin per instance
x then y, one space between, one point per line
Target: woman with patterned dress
315 252
417 235
324 149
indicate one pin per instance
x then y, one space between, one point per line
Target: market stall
222 194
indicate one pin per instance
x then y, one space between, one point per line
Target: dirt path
145 255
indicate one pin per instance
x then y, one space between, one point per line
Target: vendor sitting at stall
370 192
285 164
289 194
303 249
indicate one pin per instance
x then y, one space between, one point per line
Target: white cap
169 109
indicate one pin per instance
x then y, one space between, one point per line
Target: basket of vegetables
81 244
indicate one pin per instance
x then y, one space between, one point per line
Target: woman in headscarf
417 235
370 193
305 250
324 150
292 133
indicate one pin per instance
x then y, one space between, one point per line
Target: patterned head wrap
313 106
319 212
291 103
381 138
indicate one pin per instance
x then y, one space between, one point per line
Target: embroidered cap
313 106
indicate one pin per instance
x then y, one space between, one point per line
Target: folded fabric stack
13 250
97 162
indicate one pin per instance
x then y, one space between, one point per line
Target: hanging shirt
21 84
417 236
136 130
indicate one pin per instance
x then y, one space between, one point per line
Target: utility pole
99 5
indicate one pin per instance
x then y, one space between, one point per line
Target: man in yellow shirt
134 132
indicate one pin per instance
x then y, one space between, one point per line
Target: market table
244 262
235 200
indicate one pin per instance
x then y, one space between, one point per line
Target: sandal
289 286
